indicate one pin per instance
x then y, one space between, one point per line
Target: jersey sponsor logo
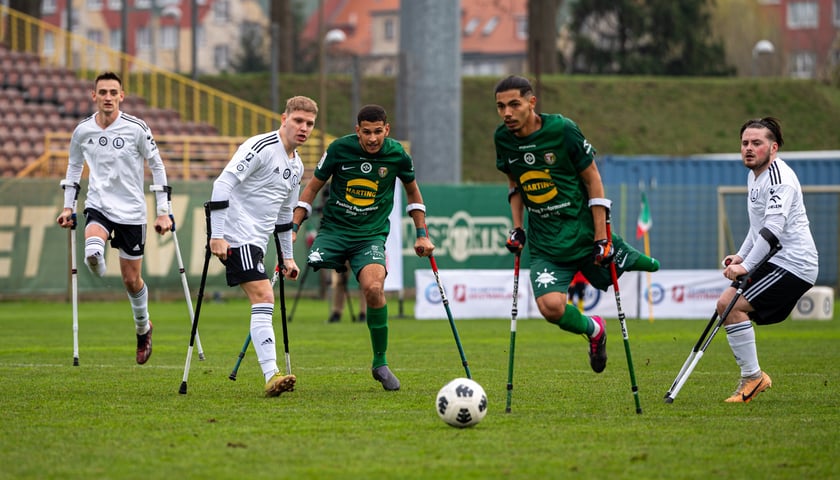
375 253
513 160
315 256
538 186
361 192
550 158
119 143
530 158
587 147
366 167
103 141
383 172
344 168
321 161
526 147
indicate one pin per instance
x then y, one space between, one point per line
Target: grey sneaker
383 375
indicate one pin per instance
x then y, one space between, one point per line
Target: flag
644 223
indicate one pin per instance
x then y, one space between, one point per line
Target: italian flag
644 223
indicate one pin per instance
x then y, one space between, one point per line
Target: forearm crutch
621 319
513 313
74 272
245 345
208 206
282 288
703 342
187 296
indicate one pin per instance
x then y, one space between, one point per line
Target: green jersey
546 166
361 193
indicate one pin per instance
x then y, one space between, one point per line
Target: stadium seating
36 98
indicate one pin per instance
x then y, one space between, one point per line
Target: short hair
515 82
771 124
107 76
300 102
371 113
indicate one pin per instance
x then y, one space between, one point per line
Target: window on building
470 27
221 11
143 39
94 5
49 43
522 27
389 29
803 65
221 57
115 39
49 7
490 26
168 37
836 13
115 5
805 14
142 4
94 35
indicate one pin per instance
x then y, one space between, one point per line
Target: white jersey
115 156
268 190
777 191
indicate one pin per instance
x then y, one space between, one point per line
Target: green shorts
549 276
333 251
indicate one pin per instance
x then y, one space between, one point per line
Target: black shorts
773 293
244 264
130 239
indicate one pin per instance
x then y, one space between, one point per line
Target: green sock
645 264
575 322
377 322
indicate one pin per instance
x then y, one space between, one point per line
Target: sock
741 337
377 322
95 253
262 336
575 322
645 264
140 307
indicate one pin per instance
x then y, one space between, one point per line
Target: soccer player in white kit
257 191
777 215
114 145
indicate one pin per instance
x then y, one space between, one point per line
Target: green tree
646 37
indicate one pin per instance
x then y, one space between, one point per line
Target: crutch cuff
217 205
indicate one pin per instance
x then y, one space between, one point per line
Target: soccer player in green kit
364 167
552 174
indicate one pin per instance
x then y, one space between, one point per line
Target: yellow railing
160 88
186 157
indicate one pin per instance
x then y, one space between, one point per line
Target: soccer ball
461 403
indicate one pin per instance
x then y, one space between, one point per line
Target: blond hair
301 103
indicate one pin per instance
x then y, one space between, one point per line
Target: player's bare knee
552 312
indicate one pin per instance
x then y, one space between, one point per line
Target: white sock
262 336
95 255
741 337
140 307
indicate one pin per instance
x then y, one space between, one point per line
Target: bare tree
542 36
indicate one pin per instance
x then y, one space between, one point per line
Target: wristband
305 206
421 232
295 227
162 210
602 202
415 206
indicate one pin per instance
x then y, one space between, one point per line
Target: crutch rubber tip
507 409
201 356
75 362
668 399
232 376
183 389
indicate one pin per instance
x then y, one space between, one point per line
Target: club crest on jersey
119 143
366 167
550 158
383 172
754 194
261 267
103 141
286 174
529 158
241 166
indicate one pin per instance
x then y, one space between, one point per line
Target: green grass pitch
110 418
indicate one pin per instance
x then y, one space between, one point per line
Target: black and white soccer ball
461 403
